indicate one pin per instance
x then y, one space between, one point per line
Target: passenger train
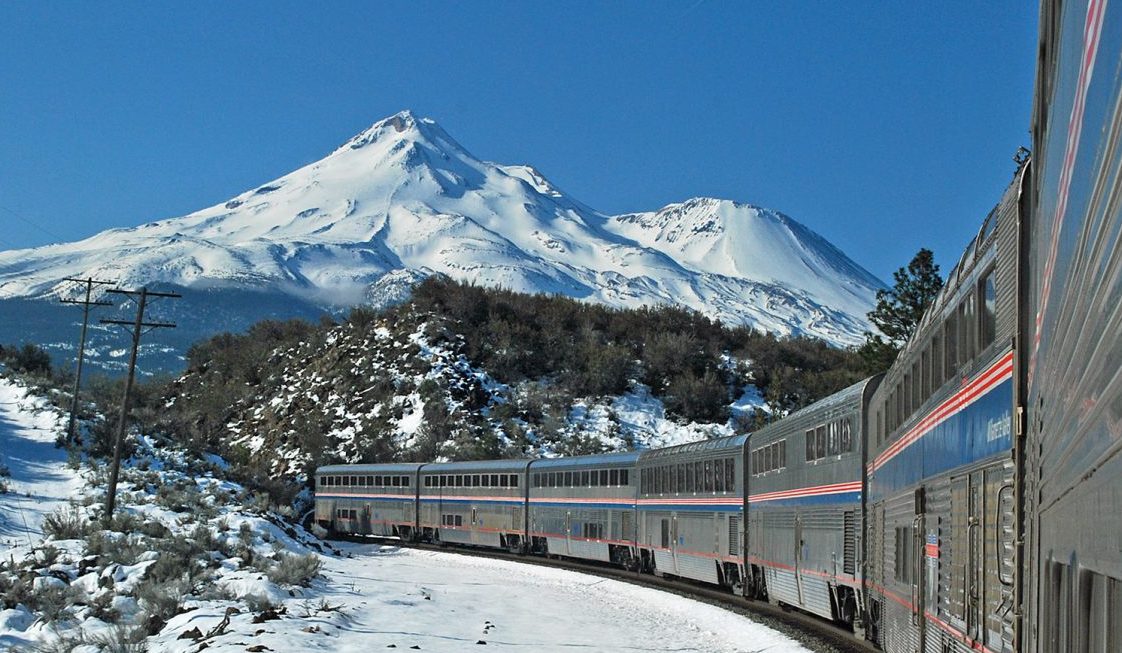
969 499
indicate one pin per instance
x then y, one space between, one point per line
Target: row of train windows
365 481
471 480
827 440
344 513
451 520
769 458
966 332
583 478
698 476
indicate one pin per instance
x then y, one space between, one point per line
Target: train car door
798 556
918 569
474 526
675 541
568 532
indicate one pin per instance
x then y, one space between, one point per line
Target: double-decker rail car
481 503
1072 314
940 471
584 507
691 510
367 499
805 521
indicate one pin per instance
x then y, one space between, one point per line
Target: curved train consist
968 499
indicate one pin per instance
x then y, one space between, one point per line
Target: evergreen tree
899 310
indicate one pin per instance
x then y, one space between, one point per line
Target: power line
28 221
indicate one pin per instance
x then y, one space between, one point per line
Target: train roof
514 465
830 404
377 468
615 458
703 446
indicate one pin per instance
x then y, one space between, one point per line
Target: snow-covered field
229 598
40 481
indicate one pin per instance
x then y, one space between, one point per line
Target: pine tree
899 311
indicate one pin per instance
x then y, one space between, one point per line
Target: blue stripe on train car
680 507
979 431
824 499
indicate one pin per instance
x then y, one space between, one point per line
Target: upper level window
987 316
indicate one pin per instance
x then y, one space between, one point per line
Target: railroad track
809 630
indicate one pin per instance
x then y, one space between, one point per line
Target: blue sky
885 127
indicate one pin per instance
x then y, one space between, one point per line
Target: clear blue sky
886 127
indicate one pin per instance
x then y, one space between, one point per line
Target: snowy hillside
193 561
403 199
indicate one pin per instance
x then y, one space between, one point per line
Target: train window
987 331
965 328
346 480
989 226
811 451
698 477
832 439
950 342
654 480
494 480
904 554
613 477
584 480
514 480
623 477
820 441
718 476
603 477
680 481
782 454
536 480
846 436
900 413
925 378
937 377
378 481
568 480
482 480
406 481
917 386
428 481
730 473
909 404
708 475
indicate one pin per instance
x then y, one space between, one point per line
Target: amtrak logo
997 429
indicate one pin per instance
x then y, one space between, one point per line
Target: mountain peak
401 125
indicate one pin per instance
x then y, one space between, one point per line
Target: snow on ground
40 482
381 597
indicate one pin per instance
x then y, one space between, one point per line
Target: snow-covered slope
403 195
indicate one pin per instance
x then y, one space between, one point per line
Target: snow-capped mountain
403 199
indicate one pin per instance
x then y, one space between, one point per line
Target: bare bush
66 524
296 570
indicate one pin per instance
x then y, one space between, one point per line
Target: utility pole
137 326
71 431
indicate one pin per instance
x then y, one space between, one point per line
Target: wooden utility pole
71 430
141 297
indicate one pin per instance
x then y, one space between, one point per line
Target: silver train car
691 510
805 516
584 507
1069 585
969 500
940 471
368 499
477 503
